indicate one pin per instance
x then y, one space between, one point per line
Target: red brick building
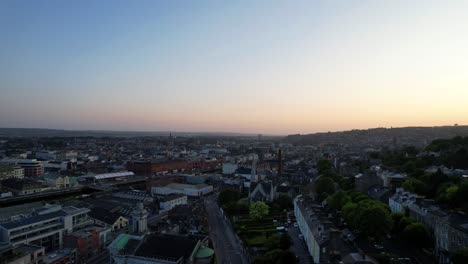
163 181
86 242
148 168
32 168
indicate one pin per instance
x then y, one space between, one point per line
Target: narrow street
298 246
227 247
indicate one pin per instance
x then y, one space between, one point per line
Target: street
298 246
226 245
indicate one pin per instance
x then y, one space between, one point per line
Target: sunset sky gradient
274 67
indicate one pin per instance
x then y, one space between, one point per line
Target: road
298 246
395 247
226 245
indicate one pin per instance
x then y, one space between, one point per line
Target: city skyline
267 67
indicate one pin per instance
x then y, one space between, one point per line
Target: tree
338 200
284 202
349 213
356 197
228 196
325 185
459 256
416 236
347 183
400 222
373 221
258 210
370 217
324 166
414 185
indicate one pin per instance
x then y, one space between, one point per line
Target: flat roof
33 219
171 197
113 175
187 186
166 247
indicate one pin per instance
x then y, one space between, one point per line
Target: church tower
139 219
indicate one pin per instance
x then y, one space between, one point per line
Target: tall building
139 219
32 168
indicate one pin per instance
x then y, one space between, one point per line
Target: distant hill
416 136
41 132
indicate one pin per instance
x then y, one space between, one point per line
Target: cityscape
233 132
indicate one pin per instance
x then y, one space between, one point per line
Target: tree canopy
228 196
338 200
258 210
459 256
325 185
416 236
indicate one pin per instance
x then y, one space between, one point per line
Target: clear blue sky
245 66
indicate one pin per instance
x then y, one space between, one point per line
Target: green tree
414 185
228 196
258 210
284 202
459 256
338 200
349 211
356 197
416 236
325 185
374 221
324 166
400 222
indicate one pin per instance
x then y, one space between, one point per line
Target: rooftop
32 220
166 247
316 220
187 186
170 197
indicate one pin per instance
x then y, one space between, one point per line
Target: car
378 247
295 225
404 261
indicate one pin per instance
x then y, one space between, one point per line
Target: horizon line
226 132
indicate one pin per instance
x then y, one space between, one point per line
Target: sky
272 67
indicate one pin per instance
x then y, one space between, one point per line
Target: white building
401 200
47 227
168 202
187 189
314 229
139 219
